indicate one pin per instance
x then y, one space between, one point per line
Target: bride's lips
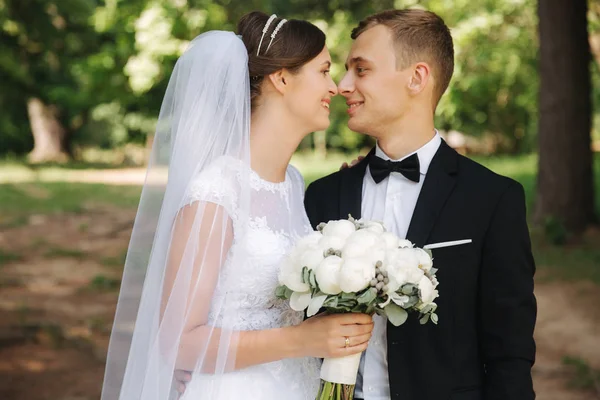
353 106
325 103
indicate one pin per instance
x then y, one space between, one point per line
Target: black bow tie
380 168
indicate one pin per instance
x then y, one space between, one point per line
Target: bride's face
309 93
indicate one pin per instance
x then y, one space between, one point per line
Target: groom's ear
419 78
279 79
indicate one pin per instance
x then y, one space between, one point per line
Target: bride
220 209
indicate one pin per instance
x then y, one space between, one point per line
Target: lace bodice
265 228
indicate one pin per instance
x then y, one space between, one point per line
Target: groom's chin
356 126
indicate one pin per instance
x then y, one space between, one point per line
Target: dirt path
58 290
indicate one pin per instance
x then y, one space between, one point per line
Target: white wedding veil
167 317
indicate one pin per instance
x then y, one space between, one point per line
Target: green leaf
331 302
288 293
346 296
305 275
434 318
313 279
412 301
408 289
280 292
367 297
396 314
424 319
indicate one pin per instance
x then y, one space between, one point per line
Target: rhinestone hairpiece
277 28
264 31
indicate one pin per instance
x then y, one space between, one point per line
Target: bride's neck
272 144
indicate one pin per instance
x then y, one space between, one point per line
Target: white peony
375 227
425 261
402 265
404 243
328 275
391 241
290 275
331 242
359 244
356 274
341 229
428 292
311 257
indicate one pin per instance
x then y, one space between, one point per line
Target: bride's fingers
356 340
346 351
356 330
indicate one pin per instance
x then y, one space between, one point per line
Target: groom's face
375 90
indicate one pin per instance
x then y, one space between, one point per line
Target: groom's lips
353 106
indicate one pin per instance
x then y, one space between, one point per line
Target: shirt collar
425 153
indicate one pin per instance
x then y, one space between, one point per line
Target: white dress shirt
392 201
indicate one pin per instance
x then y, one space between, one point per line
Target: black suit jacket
483 346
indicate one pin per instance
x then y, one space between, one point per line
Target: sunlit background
81 82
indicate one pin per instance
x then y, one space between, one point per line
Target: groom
399 66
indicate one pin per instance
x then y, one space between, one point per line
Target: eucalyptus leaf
424 319
280 292
346 296
412 301
367 297
288 293
434 318
331 302
312 278
305 275
408 289
396 314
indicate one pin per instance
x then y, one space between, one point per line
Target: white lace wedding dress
277 218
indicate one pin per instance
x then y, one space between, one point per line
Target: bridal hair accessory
269 22
277 28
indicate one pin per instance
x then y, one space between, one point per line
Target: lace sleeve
217 184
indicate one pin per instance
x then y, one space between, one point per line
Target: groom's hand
353 163
182 378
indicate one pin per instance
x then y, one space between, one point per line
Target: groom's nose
346 85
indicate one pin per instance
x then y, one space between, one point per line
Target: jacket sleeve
507 302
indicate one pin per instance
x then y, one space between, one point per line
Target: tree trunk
320 139
565 188
49 136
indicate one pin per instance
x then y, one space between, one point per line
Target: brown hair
419 35
296 43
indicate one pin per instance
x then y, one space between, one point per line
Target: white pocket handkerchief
447 244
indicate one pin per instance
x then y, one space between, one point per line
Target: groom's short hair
419 35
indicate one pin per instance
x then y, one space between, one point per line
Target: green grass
20 200
58 252
584 377
7 256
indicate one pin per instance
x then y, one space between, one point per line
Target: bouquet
357 266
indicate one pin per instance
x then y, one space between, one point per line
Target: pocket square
447 244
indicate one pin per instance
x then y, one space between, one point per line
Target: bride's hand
352 163
324 336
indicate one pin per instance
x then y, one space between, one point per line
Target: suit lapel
439 183
351 188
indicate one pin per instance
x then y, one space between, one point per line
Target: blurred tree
565 190
42 42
